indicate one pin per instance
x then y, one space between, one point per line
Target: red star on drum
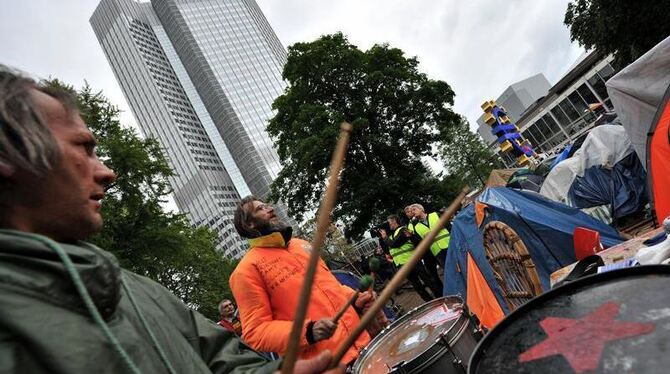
581 341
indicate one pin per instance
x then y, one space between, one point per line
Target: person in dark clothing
431 259
67 305
402 248
386 267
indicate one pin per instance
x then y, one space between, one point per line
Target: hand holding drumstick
363 285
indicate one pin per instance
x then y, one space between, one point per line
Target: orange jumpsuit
266 285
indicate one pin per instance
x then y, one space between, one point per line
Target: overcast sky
479 47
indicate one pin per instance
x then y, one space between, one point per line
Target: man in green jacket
66 305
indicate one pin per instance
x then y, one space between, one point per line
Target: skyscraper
200 76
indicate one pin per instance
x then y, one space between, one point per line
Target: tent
640 94
605 171
499 177
637 92
546 228
524 179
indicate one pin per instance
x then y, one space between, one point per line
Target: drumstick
398 279
323 220
350 264
363 285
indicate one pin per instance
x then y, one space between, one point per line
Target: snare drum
436 337
615 322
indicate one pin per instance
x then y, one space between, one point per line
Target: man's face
263 212
392 224
227 309
409 212
263 217
65 203
416 212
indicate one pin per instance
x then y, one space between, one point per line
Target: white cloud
479 47
54 39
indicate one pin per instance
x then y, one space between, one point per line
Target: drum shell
451 350
499 351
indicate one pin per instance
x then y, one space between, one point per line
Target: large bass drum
436 337
615 322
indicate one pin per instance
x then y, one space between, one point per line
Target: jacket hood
28 264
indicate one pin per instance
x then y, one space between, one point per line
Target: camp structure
604 173
505 245
641 96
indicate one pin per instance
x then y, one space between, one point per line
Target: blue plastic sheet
562 156
623 187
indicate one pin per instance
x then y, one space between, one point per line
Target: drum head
411 335
612 323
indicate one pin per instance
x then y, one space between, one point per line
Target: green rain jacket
46 326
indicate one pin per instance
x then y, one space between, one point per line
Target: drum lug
478 334
457 362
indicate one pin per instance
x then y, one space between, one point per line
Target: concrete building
200 76
515 99
564 113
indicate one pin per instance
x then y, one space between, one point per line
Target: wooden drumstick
323 221
363 285
398 279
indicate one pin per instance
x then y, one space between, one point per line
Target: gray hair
221 305
418 206
25 139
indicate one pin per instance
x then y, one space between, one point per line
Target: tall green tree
145 238
397 114
625 28
466 156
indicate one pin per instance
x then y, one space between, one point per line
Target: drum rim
358 363
566 288
437 353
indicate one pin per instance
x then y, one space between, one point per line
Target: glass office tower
200 76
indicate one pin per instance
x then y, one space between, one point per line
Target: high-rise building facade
200 76
516 99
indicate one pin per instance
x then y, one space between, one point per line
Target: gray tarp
636 92
604 146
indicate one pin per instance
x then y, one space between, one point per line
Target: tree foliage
466 155
147 240
335 243
625 28
397 114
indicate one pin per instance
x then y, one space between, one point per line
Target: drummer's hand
323 329
318 364
365 300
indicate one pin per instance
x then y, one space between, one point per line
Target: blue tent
545 226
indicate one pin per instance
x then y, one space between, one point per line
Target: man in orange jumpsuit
267 282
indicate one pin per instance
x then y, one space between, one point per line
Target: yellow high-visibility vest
402 254
441 241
